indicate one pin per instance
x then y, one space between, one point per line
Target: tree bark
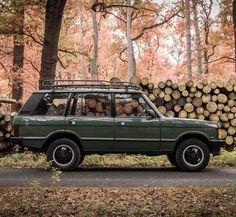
188 39
94 67
18 61
53 19
234 20
81 39
131 58
198 40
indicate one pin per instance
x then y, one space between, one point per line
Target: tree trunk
81 39
53 19
18 62
234 19
188 39
94 67
198 40
131 58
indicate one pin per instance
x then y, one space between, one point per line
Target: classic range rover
71 119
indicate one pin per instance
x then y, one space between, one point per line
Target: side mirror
151 113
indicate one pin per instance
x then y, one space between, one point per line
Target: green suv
71 119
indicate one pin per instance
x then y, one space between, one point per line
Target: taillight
16 131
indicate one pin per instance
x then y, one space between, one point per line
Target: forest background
69 39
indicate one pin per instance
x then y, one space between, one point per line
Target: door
90 118
135 131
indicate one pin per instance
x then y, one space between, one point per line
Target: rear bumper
216 146
17 141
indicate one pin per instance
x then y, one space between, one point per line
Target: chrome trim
168 140
31 138
97 138
138 139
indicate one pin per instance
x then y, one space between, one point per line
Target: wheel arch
62 134
196 135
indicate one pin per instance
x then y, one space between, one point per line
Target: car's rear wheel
192 155
64 154
171 158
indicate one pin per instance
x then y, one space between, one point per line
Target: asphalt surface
119 177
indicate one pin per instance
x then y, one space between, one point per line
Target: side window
52 104
91 105
132 105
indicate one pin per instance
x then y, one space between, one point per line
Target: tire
80 160
192 155
64 154
171 158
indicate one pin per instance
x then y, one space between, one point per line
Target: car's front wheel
64 154
192 155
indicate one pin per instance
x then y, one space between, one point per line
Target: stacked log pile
214 101
6 127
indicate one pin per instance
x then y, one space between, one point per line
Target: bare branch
229 59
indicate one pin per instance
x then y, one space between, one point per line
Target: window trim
84 93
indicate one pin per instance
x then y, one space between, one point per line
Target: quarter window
52 104
91 105
131 105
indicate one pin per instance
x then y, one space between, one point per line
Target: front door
135 131
90 118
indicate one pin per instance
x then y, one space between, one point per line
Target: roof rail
77 84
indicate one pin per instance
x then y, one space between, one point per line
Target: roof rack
78 84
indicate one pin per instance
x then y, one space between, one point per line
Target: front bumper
216 145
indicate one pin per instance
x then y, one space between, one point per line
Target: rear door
135 131
90 118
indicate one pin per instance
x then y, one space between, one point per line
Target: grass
91 202
30 160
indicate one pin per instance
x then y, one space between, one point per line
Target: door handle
72 122
122 123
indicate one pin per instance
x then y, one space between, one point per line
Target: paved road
128 177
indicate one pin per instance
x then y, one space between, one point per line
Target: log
199 86
181 101
211 107
162 94
206 89
224 117
206 98
182 87
199 110
176 94
169 83
220 84
198 94
229 140
98 107
134 103
162 109
5 100
190 84
206 113
193 90
135 79
169 106
146 92
156 91
152 97
167 98
226 109
170 114
222 98
197 102
205 82
231 131
174 86
214 117
231 103
144 81
192 115
150 86
226 125
119 109
213 85
177 108
168 91
161 85
182 114
201 117
233 122
128 108
189 99
185 93
214 98
188 107
7 118
232 96
230 116
220 106
216 91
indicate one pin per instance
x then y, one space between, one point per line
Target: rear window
29 107
52 104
